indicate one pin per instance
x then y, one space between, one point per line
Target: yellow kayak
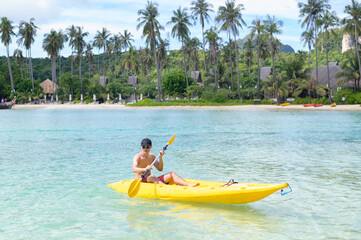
333 105
212 192
285 104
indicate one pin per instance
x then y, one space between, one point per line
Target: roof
197 76
322 75
103 81
265 72
47 86
133 80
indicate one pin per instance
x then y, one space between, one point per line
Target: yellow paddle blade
171 140
134 187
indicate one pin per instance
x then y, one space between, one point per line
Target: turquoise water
55 165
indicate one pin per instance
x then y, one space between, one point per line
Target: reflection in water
219 219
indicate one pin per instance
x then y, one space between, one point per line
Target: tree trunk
104 62
274 73
21 69
328 72
98 62
204 52
89 70
158 76
316 59
184 62
31 70
258 73
71 66
357 50
238 80
53 70
230 59
60 69
10 71
81 80
215 71
309 58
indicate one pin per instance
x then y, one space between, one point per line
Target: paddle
135 185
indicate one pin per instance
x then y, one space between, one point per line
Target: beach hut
334 69
103 81
47 86
133 80
196 75
265 72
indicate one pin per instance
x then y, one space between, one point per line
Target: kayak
318 105
309 105
285 104
333 105
211 192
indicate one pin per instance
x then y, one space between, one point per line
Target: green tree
180 30
6 31
350 71
272 27
353 22
90 57
151 30
307 38
310 85
174 83
79 45
27 33
328 20
51 44
71 32
100 41
248 53
126 39
311 11
257 27
230 18
18 55
201 9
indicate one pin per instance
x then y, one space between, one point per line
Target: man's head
146 144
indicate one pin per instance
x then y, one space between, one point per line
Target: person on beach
142 162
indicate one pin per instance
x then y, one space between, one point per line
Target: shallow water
55 165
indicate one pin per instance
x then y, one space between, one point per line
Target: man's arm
159 163
137 169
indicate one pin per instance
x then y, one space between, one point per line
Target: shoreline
237 107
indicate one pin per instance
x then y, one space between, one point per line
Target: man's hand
161 152
149 167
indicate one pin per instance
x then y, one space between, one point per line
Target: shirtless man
142 162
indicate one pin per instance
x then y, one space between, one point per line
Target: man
142 162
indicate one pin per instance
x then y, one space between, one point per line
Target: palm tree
89 56
273 26
130 61
6 31
264 50
79 45
328 19
126 39
229 58
71 32
201 10
354 11
230 18
248 48
195 44
312 10
307 38
276 86
350 71
180 30
18 55
151 27
63 38
101 42
213 40
51 44
257 27
27 32
117 43
311 86
148 61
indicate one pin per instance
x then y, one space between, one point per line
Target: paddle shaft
165 148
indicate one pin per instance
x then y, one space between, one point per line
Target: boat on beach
210 192
309 105
6 105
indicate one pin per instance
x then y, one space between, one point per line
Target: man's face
146 148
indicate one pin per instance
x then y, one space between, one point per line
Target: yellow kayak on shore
211 192
285 104
333 105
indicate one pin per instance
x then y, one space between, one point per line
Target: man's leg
177 180
154 179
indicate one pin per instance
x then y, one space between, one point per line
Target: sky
120 15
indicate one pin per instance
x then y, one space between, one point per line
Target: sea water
55 166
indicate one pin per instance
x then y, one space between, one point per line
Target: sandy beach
241 107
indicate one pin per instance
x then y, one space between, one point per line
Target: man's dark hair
146 142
